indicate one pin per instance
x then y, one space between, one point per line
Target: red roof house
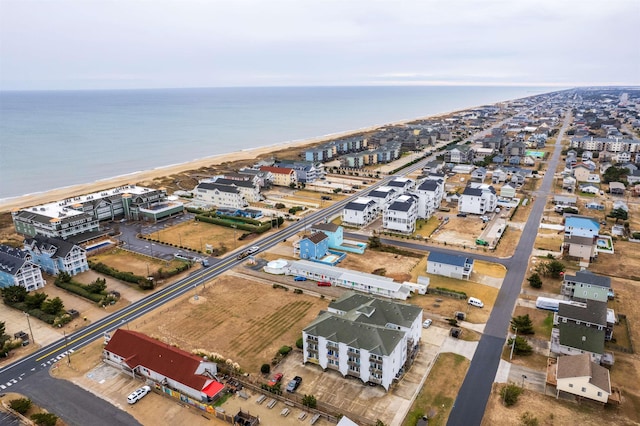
164 364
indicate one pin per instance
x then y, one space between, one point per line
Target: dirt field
610 264
196 235
244 321
550 411
126 261
397 267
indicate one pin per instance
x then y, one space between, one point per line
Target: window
584 389
599 393
570 385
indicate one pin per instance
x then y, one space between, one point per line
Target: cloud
249 42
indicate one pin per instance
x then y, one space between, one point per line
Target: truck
243 254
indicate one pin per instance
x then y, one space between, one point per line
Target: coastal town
384 277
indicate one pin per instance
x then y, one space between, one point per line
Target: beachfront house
17 269
53 255
220 195
247 189
83 214
364 337
401 214
507 191
282 176
171 369
449 265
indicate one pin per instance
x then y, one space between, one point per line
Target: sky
125 44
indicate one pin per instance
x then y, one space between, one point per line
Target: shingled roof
138 349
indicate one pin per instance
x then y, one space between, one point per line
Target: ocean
53 139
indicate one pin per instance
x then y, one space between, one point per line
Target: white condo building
402 214
430 194
478 199
220 195
360 211
364 337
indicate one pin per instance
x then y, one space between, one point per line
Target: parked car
427 323
138 394
299 278
294 383
275 379
324 284
461 215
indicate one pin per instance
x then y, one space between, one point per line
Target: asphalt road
77 406
469 406
30 376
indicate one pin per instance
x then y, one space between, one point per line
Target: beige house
282 176
577 375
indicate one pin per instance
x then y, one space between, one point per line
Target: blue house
314 246
54 256
332 231
335 234
16 269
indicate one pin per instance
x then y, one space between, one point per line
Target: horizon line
560 86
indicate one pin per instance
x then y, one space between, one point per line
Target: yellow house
577 375
282 176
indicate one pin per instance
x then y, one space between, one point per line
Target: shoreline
46 196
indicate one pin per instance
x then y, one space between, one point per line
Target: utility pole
513 344
64 333
30 331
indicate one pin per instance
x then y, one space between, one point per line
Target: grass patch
440 390
426 227
490 269
222 400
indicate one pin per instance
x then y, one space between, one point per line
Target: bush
129 277
20 405
44 419
535 281
510 394
299 343
297 291
528 419
80 290
285 350
265 369
309 401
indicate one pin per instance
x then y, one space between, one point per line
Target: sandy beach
144 177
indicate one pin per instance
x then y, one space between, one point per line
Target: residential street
468 409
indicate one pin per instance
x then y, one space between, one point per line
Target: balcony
332 346
376 369
375 380
353 352
353 363
333 356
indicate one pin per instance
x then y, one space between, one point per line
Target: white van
475 302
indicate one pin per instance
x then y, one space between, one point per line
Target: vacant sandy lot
240 319
397 267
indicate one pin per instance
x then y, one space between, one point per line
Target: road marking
188 283
8 383
3 386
